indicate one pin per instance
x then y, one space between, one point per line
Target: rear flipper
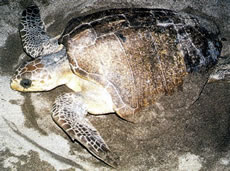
69 112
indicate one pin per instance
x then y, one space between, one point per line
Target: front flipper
69 112
34 38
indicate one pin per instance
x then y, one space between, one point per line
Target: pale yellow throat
74 82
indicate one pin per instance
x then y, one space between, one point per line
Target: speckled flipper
32 31
69 112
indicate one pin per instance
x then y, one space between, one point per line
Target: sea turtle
117 60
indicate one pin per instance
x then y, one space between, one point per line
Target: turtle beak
14 85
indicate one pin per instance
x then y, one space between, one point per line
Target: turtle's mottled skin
117 60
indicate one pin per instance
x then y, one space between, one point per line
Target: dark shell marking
138 54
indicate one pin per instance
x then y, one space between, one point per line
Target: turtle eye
26 83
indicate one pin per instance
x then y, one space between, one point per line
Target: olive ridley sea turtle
115 61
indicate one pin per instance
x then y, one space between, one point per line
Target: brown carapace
138 54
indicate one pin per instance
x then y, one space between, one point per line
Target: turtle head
41 74
222 72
